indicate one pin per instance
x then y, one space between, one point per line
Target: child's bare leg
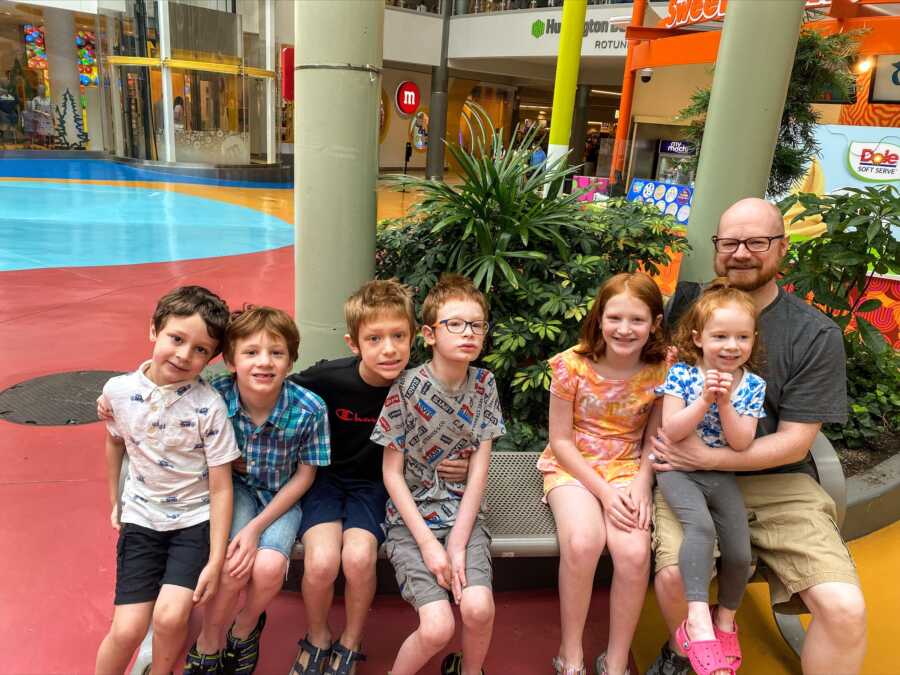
219 612
582 537
477 609
266 579
435 630
358 557
630 552
321 563
129 626
170 626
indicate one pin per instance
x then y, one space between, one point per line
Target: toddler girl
711 392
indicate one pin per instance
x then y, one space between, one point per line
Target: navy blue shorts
354 501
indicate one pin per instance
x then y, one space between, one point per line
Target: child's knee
170 618
634 558
128 633
231 585
269 568
359 560
581 547
477 608
321 567
436 628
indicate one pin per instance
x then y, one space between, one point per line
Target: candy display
35 49
86 43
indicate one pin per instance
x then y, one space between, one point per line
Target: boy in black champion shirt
344 510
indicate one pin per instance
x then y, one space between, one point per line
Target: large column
337 85
168 100
62 63
622 128
271 100
434 160
745 107
567 64
579 123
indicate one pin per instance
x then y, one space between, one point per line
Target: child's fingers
232 547
457 587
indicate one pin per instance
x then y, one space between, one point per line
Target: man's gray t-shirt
429 424
804 364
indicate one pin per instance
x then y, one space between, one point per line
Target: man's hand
457 553
207 584
620 508
454 470
114 517
438 563
241 552
104 412
690 454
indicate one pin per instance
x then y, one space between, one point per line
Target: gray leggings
709 503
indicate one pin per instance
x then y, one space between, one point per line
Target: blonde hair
252 319
643 288
720 293
379 298
451 287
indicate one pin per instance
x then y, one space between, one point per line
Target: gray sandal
559 668
601 665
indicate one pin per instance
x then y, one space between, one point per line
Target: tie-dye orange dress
608 416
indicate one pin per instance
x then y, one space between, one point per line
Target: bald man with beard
792 519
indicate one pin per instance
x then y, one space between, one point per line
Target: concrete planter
873 499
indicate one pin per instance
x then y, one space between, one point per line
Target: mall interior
146 144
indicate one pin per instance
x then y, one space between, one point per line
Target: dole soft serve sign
875 161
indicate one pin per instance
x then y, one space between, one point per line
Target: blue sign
676 148
674 200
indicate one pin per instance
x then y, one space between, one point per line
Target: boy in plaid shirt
282 431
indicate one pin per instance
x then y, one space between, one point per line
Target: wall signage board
674 200
690 12
886 80
408 97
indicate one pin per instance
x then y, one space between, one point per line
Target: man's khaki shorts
792 531
417 584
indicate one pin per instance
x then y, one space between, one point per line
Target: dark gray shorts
418 585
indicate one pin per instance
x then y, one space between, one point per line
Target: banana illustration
812 182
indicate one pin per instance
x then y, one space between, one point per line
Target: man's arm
434 555
115 451
789 444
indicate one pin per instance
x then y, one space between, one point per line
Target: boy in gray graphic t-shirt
435 538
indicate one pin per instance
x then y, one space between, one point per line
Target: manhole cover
65 398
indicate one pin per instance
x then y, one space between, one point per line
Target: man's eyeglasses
753 244
460 325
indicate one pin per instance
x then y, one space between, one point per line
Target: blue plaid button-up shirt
295 433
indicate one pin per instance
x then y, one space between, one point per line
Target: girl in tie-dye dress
596 479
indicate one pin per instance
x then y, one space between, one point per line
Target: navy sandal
346 658
318 658
452 664
241 654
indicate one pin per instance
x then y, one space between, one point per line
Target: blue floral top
747 398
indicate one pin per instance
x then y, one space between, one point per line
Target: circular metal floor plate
52 400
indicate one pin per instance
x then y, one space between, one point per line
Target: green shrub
539 261
836 269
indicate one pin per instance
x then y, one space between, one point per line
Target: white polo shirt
172 435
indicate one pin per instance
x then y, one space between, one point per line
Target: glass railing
485 6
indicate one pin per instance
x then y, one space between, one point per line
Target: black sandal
318 658
241 654
452 664
345 659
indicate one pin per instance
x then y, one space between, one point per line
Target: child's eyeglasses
460 325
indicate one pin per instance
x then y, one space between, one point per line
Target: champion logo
346 415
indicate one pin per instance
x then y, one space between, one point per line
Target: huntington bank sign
552 26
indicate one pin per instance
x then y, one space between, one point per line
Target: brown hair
641 287
378 298
450 287
252 319
718 294
190 300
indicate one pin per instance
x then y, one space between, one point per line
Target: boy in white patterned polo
176 503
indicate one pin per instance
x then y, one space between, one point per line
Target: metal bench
523 526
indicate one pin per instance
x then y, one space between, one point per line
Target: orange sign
690 12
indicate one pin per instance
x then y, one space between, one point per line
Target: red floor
58 572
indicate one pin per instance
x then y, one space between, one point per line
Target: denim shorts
249 502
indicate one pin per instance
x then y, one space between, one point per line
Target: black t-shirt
804 364
353 409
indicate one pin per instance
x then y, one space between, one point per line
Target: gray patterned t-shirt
429 425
